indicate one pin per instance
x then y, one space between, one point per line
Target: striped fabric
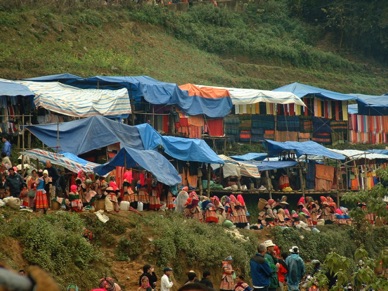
60 160
76 102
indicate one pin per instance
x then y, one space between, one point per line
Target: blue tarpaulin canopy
56 78
153 91
149 160
192 150
274 165
156 92
376 151
84 135
372 105
302 90
13 89
300 148
250 157
353 109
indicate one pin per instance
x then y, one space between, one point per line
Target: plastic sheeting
148 160
302 90
57 78
252 96
210 101
76 102
357 155
301 148
84 135
13 89
65 160
372 105
274 165
250 157
192 150
235 168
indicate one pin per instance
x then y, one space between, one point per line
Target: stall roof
353 109
242 96
57 78
65 160
210 101
372 104
84 135
301 148
302 90
153 91
235 168
76 102
357 155
149 160
188 149
376 151
250 157
13 89
274 165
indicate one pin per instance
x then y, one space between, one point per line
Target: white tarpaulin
76 102
253 96
235 168
357 155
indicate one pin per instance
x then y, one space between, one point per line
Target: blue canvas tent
153 91
273 165
302 90
149 160
84 135
372 105
300 148
13 89
63 78
250 157
192 150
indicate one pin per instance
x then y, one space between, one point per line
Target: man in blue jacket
260 270
296 269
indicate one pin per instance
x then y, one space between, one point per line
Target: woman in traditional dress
74 199
241 209
41 202
111 201
181 199
227 280
211 214
145 284
156 189
32 181
144 196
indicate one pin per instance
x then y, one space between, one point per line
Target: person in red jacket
282 271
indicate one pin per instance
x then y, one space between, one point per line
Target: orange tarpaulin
206 92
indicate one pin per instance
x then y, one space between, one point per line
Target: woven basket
99 204
261 204
55 205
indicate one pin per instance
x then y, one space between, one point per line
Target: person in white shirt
166 280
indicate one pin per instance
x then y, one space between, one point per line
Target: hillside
127 241
205 45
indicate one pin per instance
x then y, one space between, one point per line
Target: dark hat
167 269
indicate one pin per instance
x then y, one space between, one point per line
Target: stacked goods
339 131
231 125
321 130
305 124
245 128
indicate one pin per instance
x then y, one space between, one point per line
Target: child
241 285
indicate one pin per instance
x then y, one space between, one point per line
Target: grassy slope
39 42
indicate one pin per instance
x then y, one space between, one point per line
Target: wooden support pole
302 186
208 179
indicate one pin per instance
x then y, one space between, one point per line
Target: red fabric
216 127
282 271
165 123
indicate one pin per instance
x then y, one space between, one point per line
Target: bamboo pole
208 180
